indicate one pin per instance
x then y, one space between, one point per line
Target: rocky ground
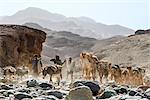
133 50
39 89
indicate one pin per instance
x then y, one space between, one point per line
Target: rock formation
18 44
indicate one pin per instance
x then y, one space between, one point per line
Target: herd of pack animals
90 65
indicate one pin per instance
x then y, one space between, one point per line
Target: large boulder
95 88
19 43
80 93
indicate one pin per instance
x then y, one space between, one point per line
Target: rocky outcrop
140 32
19 43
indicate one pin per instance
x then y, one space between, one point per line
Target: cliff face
18 44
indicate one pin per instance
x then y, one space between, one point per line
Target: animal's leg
21 77
83 73
100 77
91 75
106 78
71 77
61 75
87 75
111 77
9 77
58 81
50 80
94 75
67 76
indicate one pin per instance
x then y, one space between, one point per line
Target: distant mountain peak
33 12
83 26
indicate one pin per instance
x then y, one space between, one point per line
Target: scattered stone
34 94
46 98
2 91
25 91
32 83
132 92
121 90
147 93
127 97
20 96
5 87
80 93
46 86
57 94
77 83
107 94
7 93
2 97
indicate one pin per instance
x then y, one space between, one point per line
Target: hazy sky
130 13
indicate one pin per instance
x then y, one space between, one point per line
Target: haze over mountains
83 26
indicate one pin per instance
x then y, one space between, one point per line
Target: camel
103 68
88 63
124 76
129 75
137 76
70 65
116 73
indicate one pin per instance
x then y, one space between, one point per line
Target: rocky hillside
19 44
134 50
83 26
63 43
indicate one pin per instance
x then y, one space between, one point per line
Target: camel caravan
121 74
91 68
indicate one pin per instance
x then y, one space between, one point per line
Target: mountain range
83 26
62 43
